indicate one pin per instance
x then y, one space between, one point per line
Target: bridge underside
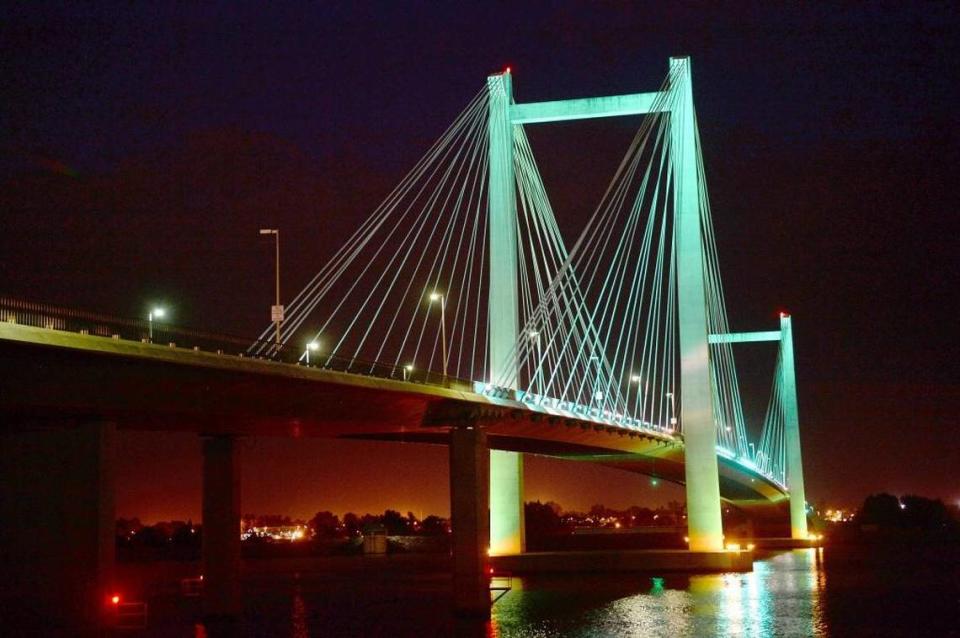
50 375
63 396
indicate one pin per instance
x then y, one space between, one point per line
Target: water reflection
781 596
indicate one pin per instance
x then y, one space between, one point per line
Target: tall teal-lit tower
506 468
791 422
705 524
696 410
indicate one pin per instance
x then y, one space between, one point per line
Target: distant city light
115 600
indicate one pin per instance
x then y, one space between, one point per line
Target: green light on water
654 482
656 585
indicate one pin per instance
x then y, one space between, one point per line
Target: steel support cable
599 222
466 280
545 228
591 265
421 221
435 161
347 252
733 410
650 327
624 342
558 282
616 203
592 227
439 256
479 147
613 198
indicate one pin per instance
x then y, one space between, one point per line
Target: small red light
491 570
508 69
784 315
115 600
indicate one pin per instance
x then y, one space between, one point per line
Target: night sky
142 148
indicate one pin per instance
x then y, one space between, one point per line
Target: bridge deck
50 375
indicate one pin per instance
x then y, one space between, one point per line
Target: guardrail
157 331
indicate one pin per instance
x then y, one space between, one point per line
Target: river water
899 590
810 592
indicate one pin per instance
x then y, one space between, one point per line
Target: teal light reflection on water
781 596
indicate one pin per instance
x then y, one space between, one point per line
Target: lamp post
407 369
436 296
538 371
673 410
314 346
276 312
597 395
158 313
636 378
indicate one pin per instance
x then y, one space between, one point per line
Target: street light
159 314
313 345
407 369
538 373
276 312
641 392
436 296
597 395
673 409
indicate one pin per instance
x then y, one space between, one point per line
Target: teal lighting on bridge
628 329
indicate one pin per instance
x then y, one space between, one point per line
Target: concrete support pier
221 528
470 520
635 560
507 533
58 549
791 413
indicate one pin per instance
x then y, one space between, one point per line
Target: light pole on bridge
538 371
276 312
437 296
314 346
157 313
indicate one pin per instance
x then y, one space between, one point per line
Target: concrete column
791 414
704 521
504 314
507 533
58 549
470 520
221 528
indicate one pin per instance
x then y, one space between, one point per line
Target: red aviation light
115 599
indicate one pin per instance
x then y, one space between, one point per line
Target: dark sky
142 148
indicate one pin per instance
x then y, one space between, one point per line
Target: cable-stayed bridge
458 313
463 271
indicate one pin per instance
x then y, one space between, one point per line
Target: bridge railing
158 332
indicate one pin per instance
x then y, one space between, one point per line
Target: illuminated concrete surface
638 560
